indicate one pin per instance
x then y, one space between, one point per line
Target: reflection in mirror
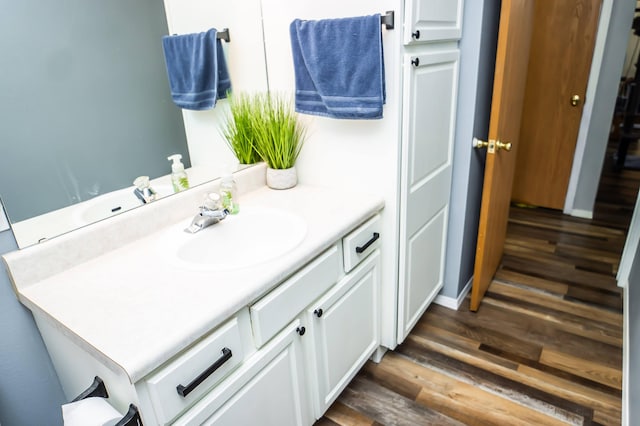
86 100
87 108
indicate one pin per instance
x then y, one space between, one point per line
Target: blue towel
197 70
339 67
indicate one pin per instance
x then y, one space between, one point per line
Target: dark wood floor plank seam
569 322
557 302
519 335
490 381
573 392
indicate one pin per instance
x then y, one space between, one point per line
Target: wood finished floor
545 348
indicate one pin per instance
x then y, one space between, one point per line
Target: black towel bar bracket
98 389
224 35
388 20
221 35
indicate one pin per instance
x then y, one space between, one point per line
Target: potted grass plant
279 137
238 126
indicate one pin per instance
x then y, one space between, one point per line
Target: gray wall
30 393
477 63
605 98
86 106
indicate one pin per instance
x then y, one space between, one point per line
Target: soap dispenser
179 178
228 194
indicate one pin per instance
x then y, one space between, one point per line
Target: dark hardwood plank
545 346
389 408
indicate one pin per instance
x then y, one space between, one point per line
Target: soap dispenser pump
179 178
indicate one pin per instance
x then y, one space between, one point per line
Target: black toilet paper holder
98 389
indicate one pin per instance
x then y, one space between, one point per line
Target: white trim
625 360
450 302
584 214
4 223
583 132
630 246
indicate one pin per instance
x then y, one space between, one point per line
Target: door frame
583 132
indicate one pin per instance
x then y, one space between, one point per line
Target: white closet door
432 20
430 92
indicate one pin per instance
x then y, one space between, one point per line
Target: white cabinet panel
425 251
279 307
431 81
432 20
430 130
269 390
345 329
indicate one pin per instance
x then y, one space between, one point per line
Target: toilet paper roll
90 412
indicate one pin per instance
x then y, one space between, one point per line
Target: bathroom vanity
273 336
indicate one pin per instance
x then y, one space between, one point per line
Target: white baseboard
450 302
583 214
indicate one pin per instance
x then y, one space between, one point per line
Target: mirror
87 107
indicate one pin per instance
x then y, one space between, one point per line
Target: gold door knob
491 145
477 143
502 145
575 100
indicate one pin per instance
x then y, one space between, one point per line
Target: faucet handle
211 201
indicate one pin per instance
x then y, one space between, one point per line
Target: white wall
362 155
4 223
245 59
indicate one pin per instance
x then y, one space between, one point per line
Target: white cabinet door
344 331
432 20
431 81
270 389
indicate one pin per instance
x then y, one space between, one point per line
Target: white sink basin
253 236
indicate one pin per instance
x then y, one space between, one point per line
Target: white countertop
132 308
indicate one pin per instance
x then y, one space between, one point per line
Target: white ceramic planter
282 178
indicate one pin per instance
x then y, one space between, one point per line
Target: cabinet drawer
217 354
269 389
361 242
271 313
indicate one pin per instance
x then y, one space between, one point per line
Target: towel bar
224 35
388 19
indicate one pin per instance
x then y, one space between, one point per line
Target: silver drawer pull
183 391
361 249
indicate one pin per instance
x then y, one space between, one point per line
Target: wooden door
559 63
516 21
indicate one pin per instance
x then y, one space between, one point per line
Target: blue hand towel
339 67
197 70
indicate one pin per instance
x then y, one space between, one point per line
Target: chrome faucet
210 214
143 189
